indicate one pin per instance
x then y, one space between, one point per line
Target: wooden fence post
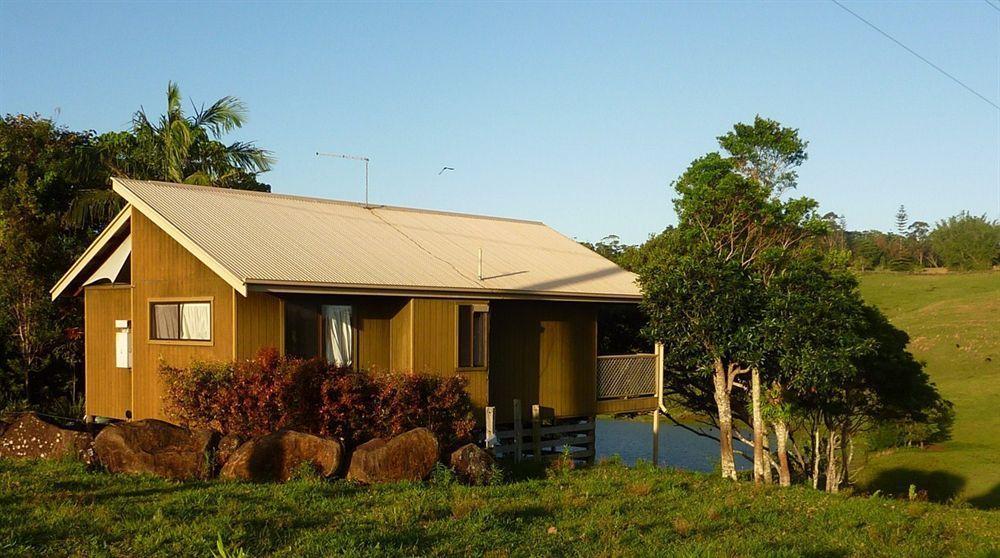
659 403
518 435
536 430
491 427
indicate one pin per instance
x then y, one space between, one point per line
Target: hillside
954 325
59 509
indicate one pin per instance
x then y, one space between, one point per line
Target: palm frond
224 115
93 207
248 157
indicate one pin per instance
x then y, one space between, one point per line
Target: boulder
228 445
275 457
156 447
30 436
472 464
408 457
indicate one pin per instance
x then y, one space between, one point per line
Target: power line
915 53
992 5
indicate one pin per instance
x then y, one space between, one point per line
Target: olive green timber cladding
259 324
107 388
435 345
163 269
543 353
401 338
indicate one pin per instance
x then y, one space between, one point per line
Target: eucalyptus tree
176 147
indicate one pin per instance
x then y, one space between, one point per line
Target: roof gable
260 239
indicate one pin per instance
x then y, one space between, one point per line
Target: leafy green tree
176 147
967 242
767 152
42 167
702 291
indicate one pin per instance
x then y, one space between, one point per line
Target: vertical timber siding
401 339
435 345
543 353
162 268
108 389
259 324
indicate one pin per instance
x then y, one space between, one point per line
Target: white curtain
337 334
196 321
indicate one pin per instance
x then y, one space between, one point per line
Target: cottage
189 272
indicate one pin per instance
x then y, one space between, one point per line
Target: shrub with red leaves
258 396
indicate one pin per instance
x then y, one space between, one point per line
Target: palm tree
176 148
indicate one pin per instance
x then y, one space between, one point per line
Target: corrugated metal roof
263 238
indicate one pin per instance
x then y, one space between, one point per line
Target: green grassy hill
954 325
60 509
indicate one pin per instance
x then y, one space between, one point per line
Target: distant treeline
963 242
960 242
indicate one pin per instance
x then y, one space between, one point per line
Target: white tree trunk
781 433
817 453
832 472
759 466
723 404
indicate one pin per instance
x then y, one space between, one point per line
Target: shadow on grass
988 501
940 486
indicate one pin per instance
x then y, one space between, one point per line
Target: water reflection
680 448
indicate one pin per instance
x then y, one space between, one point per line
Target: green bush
967 242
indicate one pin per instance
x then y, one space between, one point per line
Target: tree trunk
723 404
846 446
817 453
768 460
832 472
781 433
758 428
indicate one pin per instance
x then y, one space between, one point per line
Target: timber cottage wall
108 389
162 269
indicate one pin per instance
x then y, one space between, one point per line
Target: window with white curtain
181 321
338 337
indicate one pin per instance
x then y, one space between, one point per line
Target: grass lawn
59 508
954 326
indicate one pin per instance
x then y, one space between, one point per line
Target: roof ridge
296 197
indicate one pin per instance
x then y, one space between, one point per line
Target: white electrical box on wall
123 344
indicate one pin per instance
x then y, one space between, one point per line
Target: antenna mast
353 158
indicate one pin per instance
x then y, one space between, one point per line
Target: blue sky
579 115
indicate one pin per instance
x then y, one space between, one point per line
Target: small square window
180 321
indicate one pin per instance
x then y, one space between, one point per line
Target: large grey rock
275 457
408 457
30 436
156 447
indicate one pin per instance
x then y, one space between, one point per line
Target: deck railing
626 376
544 437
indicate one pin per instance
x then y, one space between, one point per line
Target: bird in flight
445 169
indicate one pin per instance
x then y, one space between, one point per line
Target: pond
633 440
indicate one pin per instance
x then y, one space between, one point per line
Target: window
473 334
180 321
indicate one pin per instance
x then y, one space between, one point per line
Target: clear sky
579 115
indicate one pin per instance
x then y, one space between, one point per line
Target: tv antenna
352 158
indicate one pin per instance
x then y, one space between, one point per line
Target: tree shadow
988 501
940 486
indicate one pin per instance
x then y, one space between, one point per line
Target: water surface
633 440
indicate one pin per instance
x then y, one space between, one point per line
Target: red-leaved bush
258 396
